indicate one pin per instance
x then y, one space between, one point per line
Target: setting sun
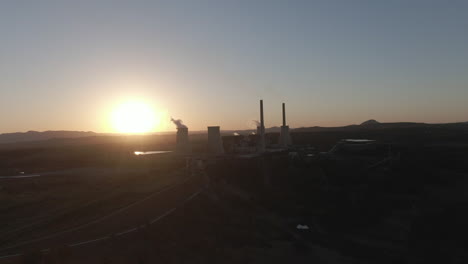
134 117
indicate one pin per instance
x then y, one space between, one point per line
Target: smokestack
262 129
262 123
284 115
285 138
215 142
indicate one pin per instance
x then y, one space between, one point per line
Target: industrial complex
215 144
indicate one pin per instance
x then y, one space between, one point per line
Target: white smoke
252 123
178 123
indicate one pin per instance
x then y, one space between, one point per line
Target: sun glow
134 117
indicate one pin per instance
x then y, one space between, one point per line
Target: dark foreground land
411 209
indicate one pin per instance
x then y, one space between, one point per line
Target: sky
65 65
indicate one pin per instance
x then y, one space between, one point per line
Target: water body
20 176
138 153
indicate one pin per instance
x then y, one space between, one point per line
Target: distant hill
373 124
38 136
370 122
321 129
367 125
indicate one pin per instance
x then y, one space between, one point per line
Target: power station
215 144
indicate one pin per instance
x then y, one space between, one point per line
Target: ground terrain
411 210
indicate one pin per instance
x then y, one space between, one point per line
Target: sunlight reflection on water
138 153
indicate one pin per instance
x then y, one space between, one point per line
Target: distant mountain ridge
371 124
38 136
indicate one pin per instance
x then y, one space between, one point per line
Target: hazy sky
67 64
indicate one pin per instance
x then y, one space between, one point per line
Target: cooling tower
285 138
215 143
182 140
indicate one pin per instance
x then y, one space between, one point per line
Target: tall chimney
262 129
182 140
285 138
215 142
284 115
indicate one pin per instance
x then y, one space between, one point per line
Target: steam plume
178 123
